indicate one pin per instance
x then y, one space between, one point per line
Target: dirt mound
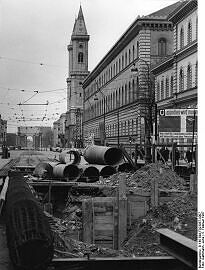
167 179
179 215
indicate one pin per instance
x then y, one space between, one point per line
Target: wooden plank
154 193
87 221
103 226
122 210
106 200
193 183
103 238
137 198
103 232
103 219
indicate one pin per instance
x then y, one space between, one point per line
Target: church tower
78 71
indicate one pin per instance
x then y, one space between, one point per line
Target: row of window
122 61
189 34
128 127
126 94
165 86
185 76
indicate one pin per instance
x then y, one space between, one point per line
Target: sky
34 35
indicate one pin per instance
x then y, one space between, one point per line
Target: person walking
166 154
177 156
189 156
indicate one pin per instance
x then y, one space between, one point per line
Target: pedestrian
177 156
162 157
166 154
189 156
142 153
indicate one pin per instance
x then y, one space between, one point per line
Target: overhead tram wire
30 62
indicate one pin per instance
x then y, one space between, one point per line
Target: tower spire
79 26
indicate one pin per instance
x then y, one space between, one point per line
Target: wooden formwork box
100 221
138 205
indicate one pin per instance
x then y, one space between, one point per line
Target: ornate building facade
176 79
78 71
118 93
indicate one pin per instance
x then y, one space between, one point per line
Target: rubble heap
167 179
179 215
66 246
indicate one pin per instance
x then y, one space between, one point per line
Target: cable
30 62
28 99
26 90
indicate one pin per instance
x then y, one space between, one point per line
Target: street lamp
149 102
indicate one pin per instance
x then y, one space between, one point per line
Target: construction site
96 208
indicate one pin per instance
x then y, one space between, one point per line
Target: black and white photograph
101 158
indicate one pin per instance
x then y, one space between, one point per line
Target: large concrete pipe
29 237
103 155
125 167
45 169
65 156
70 171
105 170
89 174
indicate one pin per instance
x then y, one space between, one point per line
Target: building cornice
165 65
186 51
183 11
80 37
132 31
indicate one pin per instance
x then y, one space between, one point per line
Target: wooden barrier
193 183
100 221
122 211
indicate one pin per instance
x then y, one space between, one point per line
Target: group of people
164 154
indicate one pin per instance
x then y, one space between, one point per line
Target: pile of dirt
179 215
142 178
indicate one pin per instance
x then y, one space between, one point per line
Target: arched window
137 48
80 57
181 38
133 52
120 97
181 80
133 90
114 70
137 89
189 33
189 77
129 56
123 96
126 59
162 47
122 61
116 95
125 93
167 87
119 65
129 90
113 101
196 74
171 86
162 89
158 91
196 27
